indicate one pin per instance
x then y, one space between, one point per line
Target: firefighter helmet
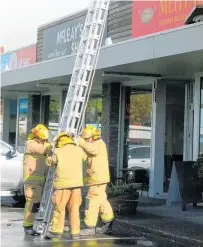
63 138
41 131
91 132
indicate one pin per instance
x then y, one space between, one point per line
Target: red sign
23 58
18 59
1 49
155 16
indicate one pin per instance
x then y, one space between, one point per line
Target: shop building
147 90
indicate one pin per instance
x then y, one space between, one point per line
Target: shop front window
139 131
201 120
54 112
22 124
94 112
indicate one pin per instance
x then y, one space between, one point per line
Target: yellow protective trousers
96 203
33 194
72 199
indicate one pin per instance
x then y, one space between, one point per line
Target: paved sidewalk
154 218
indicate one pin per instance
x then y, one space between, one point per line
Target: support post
158 139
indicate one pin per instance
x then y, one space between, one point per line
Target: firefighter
97 177
68 181
34 170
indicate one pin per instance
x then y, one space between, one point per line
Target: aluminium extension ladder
77 96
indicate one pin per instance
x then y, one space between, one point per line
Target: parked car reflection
139 156
11 172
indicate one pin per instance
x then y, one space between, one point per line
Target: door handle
143 160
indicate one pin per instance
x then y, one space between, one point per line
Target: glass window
54 112
140 153
94 112
201 120
13 120
23 114
4 149
139 125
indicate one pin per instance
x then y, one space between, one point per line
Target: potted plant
123 198
199 167
199 164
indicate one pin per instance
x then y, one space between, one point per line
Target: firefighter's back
69 169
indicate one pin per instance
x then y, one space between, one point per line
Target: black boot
106 228
29 230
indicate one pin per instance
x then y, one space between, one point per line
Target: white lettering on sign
66 41
74 47
69 34
16 63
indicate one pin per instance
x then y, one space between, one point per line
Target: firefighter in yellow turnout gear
34 171
97 177
68 181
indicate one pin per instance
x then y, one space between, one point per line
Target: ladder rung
81 99
85 67
93 52
76 115
96 22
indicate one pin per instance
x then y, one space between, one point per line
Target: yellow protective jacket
69 166
97 165
34 167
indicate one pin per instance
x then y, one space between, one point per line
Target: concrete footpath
155 219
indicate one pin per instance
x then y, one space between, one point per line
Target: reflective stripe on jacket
34 168
98 165
69 168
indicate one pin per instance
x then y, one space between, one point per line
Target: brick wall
110 122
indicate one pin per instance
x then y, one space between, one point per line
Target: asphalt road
12 234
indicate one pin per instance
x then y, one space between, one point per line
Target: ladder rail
94 71
77 60
96 56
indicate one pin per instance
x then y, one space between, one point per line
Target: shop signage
18 59
63 39
23 105
155 16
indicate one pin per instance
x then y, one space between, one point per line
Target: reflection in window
140 153
140 119
139 129
54 111
4 150
201 121
22 125
94 112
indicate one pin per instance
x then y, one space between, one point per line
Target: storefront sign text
18 59
63 39
156 16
